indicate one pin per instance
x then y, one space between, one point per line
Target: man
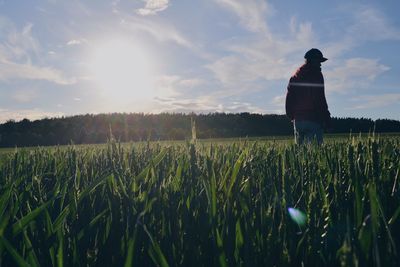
305 100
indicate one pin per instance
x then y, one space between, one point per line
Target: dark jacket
305 98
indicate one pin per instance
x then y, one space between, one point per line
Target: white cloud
366 24
25 95
173 85
375 101
353 74
252 13
176 94
277 104
17 45
203 104
17 51
165 86
235 107
76 42
152 7
371 24
232 69
161 32
10 71
114 5
276 56
279 100
266 58
190 83
31 114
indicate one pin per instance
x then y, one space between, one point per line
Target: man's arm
289 101
324 109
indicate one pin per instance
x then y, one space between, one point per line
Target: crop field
236 203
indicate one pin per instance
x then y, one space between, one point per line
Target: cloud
375 101
162 32
252 13
18 49
190 83
203 104
31 114
165 85
276 105
265 58
232 69
10 71
366 24
353 74
200 104
239 106
276 56
17 45
173 85
152 7
24 96
114 5
76 42
177 94
279 100
371 24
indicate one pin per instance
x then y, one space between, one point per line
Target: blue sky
61 58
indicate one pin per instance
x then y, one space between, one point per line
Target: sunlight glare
123 71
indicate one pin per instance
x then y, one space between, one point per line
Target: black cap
315 54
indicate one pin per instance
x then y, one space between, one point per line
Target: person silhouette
306 104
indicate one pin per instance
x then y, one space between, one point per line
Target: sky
62 58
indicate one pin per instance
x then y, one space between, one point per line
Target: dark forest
89 129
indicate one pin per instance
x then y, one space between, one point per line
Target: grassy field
249 202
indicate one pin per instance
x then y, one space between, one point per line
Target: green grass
216 203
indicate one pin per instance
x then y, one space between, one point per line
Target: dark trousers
307 131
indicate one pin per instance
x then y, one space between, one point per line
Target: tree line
89 128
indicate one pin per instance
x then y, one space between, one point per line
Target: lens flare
297 216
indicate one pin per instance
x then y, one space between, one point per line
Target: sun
122 70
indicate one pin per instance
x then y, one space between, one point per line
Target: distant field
221 202
289 139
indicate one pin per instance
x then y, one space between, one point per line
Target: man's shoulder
305 74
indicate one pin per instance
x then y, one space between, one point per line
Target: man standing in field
305 99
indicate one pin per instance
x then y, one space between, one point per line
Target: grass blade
19 260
